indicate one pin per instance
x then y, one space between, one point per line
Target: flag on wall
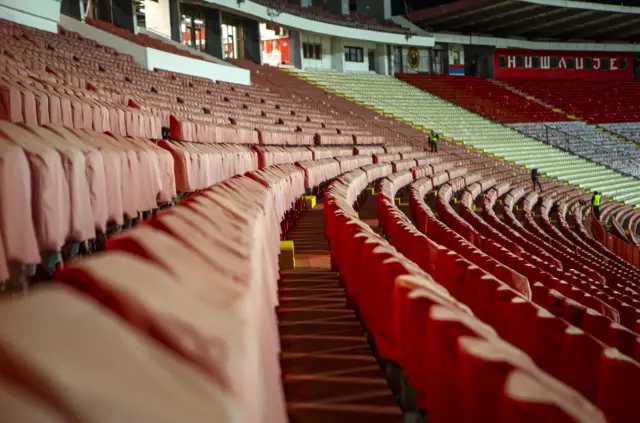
456 69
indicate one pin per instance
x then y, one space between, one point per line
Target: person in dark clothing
595 202
535 179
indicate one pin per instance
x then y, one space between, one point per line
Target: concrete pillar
213 32
175 19
386 4
344 7
337 54
295 49
251 38
382 59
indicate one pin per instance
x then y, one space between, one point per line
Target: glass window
502 62
192 28
554 62
588 63
354 54
571 63
455 55
604 63
312 51
623 63
535 62
229 35
520 61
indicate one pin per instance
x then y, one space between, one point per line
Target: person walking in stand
433 141
535 179
595 202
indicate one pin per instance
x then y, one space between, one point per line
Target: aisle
329 371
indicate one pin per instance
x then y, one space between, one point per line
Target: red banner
537 64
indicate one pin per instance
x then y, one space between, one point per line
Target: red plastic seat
618 387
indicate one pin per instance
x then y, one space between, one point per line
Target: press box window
554 62
588 63
623 63
312 51
456 57
520 61
354 54
535 62
571 63
604 63
502 62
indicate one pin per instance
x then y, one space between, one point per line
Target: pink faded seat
95 174
192 271
115 163
150 300
19 405
4 268
148 175
82 226
52 341
17 228
50 189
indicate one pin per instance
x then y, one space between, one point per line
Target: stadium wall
541 64
151 58
41 14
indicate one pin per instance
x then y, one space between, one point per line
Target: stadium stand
524 113
630 131
593 101
588 141
477 294
317 13
484 97
422 108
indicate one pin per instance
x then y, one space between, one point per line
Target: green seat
422 108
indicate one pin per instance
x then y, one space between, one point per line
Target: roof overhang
533 20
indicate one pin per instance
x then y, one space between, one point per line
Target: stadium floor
329 371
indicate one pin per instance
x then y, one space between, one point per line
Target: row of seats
65 79
180 310
278 79
629 130
422 108
448 354
594 101
483 96
498 101
542 295
578 270
63 188
588 141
